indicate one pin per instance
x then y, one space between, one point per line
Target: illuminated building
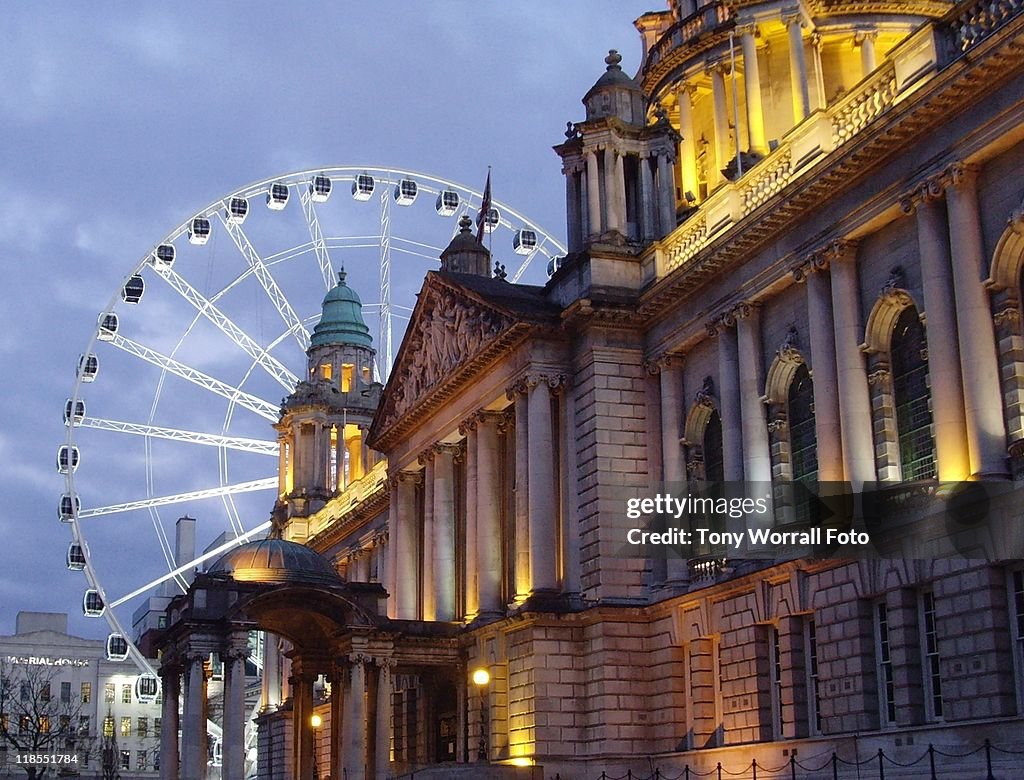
93 702
796 254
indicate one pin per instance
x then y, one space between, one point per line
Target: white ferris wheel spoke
250 402
262 273
180 498
273 366
187 567
239 443
317 237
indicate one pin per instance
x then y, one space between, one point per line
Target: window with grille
886 683
1017 627
143 727
126 694
930 643
803 441
912 395
714 466
126 726
109 691
108 726
86 693
126 759
813 681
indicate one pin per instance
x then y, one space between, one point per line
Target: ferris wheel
179 384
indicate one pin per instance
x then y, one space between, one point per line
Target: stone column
302 727
298 458
171 681
382 720
338 676
391 576
573 209
798 69
818 98
282 468
271 677
543 498
721 117
319 451
444 531
406 573
356 466
648 201
821 335
666 195
428 542
688 144
947 394
854 402
611 192
355 720
472 595
752 85
671 385
233 741
517 393
620 193
488 518
986 438
866 41
593 195
193 753
340 480
729 400
757 461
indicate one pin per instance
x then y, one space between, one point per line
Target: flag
485 206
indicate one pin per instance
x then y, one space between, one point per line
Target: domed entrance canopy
276 561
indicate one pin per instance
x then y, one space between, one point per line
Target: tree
36 719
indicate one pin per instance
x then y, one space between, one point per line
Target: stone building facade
796 256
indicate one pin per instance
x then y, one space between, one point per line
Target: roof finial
613 59
465 223
341 276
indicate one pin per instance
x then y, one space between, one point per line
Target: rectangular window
86 692
886 684
65 724
142 727
65 693
44 693
776 681
83 725
126 726
126 694
126 759
157 724
930 644
108 726
140 759
26 691
1017 630
44 724
109 690
813 684
24 724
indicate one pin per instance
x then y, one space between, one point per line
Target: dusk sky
120 122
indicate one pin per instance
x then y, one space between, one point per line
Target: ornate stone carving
666 360
706 395
894 288
931 189
359 658
448 331
412 477
1007 317
789 349
695 467
776 424
878 376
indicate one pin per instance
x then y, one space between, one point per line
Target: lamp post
316 722
481 677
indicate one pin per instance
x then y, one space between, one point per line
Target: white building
89 700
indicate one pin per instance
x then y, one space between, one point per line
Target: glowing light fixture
481 677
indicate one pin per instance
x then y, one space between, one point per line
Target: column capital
236 646
792 17
555 381
518 387
747 28
385 662
860 37
821 259
744 310
959 174
405 477
358 658
446 449
929 190
426 456
686 88
663 362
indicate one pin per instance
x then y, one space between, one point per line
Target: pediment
453 333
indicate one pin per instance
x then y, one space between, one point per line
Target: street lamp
316 722
481 677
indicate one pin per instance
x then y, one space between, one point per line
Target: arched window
909 360
714 468
803 441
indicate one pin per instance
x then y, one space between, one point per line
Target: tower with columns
322 430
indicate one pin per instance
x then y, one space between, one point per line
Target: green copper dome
342 319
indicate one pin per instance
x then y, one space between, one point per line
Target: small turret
615 94
466 255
